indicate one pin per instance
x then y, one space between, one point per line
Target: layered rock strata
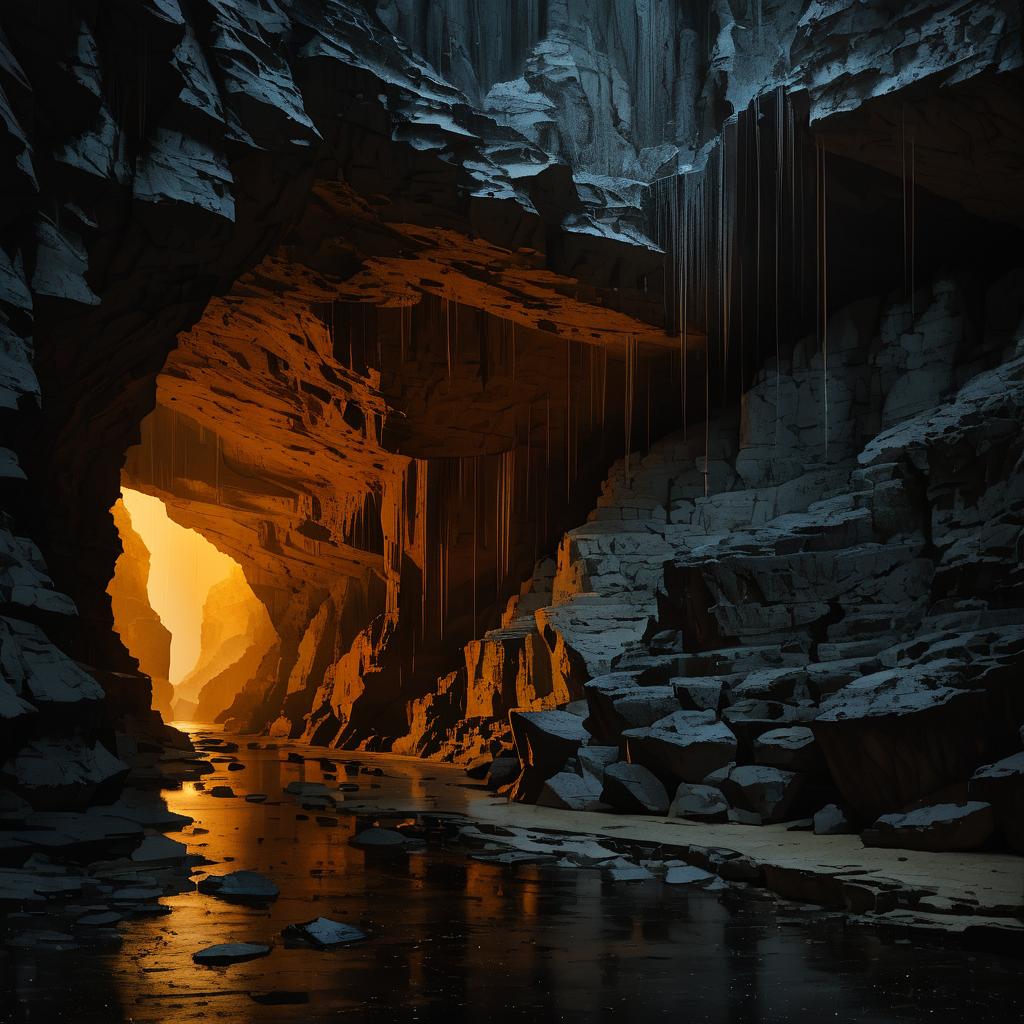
269 202
830 606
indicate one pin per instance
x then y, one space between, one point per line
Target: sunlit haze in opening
183 568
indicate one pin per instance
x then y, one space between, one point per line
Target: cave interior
624 401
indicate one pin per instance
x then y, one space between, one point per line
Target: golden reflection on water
318 872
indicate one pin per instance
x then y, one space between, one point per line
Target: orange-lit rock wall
140 628
386 477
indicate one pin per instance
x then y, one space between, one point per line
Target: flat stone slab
687 875
323 933
384 839
240 886
159 850
939 827
227 953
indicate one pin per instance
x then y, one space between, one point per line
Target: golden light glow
183 568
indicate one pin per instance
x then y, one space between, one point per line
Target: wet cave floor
451 938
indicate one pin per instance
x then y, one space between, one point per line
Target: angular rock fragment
571 792
936 828
793 748
1002 785
683 747
699 694
831 821
633 789
594 760
504 770
767 792
685 874
622 870
545 740
700 803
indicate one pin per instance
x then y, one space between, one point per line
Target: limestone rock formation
375 296
853 618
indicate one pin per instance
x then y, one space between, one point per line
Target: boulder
792 748
936 828
1002 785
65 773
571 792
741 816
683 747
632 789
701 803
526 787
618 702
767 792
504 770
545 740
751 718
696 694
594 760
831 821
893 737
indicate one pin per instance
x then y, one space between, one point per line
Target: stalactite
629 399
757 230
568 417
547 437
780 150
474 587
913 211
604 392
823 271
448 335
529 451
648 448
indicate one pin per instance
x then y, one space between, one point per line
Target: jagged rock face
236 639
840 582
140 628
366 315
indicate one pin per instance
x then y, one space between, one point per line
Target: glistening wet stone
452 939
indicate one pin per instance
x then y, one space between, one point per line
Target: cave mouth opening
185 611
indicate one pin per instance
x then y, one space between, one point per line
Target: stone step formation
785 615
